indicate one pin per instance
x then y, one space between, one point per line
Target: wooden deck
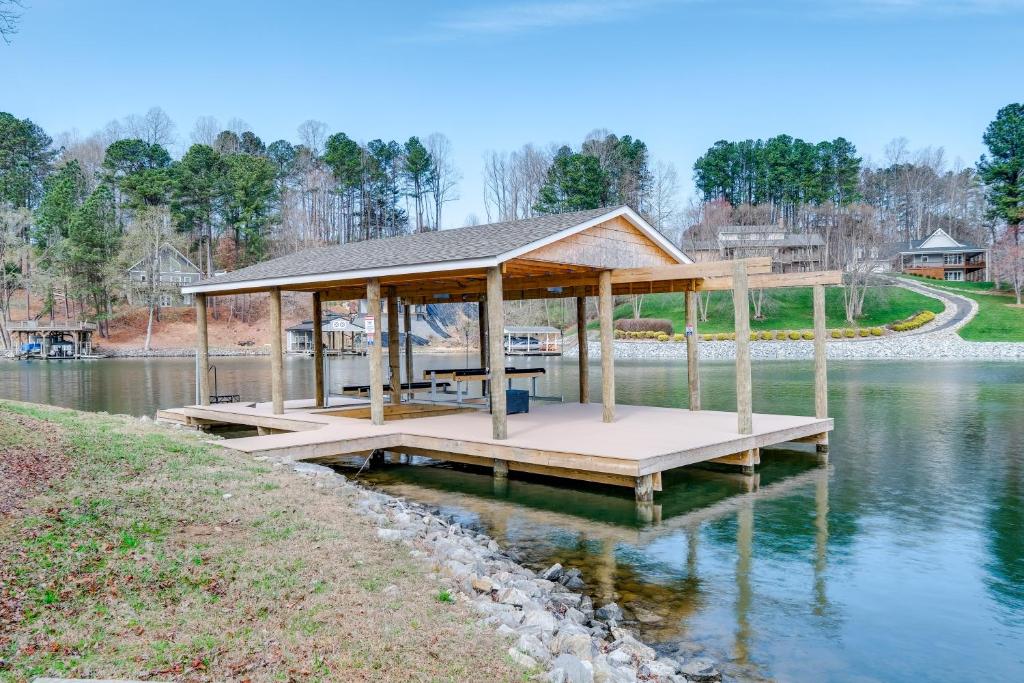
563 440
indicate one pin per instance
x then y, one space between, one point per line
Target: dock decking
562 440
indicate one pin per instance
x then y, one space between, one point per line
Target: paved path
963 309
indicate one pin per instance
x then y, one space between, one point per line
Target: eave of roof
489 252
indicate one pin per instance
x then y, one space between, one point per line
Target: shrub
836 334
876 331
794 335
864 332
732 336
721 336
753 336
662 337
913 322
679 336
808 335
849 333
656 325
781 335
766 335
706 337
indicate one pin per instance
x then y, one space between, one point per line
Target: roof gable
937 240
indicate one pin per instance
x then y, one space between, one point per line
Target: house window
166 300
954 275
953 259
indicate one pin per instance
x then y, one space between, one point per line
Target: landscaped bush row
656 325
766 335
913 322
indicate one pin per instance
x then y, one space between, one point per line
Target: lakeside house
940 257
171 269
790 251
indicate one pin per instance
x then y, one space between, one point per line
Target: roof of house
531 329
307 325
176 251
470 247
788 240
938 242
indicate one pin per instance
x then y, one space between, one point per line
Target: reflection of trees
1006 535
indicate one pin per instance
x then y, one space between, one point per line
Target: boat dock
560 440
600 253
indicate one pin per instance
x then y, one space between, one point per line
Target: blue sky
679 74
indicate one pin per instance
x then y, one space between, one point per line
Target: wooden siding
612 244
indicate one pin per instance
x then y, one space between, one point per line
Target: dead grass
161 558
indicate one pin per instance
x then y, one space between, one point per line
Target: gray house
791 252
172 270
940 257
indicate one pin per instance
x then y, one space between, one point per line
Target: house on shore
940 257
171 269
790 251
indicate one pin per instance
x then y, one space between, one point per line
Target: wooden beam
394 348
375 353
481 323
741 307
407 324
820 362
319 397
276 354
687 271
692 351
776 280
605 310
202 351
582 351
496 350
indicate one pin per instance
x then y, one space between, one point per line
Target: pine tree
1002 169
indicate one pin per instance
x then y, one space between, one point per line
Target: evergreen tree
416 166
1002 169
25 160
574 182
249 194
92 243
197 190
138 171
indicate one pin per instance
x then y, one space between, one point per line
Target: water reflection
903 560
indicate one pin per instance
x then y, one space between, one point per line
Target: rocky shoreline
556 631
935 346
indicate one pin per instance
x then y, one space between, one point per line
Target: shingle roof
481 241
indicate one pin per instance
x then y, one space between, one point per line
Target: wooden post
276 353
375 353
607 345
407 324
394 348
692 351
496 352
500 469
319 397
644 489
583 354
820 364
744 405
481 308
202 351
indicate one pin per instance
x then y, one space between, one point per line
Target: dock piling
605 306
582 352
375 354
202 351
276 353
644 488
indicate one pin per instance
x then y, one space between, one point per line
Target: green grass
996 321
789 309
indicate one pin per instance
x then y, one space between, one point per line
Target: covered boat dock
599 253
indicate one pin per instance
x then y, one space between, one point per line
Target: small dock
561 440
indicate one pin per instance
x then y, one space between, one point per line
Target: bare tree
512 182
664 204
155 127
10 15
88 152
237 125
856 240
14 224
313 134
151 231
444 177
1008 263
205 131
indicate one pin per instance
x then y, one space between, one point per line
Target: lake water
903 560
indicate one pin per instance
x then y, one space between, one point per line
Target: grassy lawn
789 309
997 319
158 556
